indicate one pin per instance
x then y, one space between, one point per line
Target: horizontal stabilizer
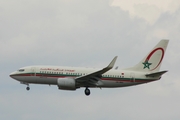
156 74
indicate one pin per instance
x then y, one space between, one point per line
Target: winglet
111 65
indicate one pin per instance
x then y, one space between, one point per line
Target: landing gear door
33 71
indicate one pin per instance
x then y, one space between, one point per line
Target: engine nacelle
66 84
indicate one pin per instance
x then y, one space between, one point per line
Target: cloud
149 10
88 33
57 31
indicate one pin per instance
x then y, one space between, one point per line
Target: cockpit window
21 70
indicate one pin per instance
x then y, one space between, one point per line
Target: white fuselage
71 78
50 75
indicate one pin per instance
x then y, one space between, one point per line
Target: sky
88 34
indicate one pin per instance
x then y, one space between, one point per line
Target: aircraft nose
12 75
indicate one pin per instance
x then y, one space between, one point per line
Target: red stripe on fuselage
105 79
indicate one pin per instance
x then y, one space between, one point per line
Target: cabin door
132 77
33 71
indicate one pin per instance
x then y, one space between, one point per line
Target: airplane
72 78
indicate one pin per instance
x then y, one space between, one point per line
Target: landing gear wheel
87 92
28 88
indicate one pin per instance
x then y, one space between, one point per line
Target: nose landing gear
87 91
27 88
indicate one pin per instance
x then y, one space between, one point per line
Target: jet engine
66 84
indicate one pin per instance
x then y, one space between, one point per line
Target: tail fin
152 62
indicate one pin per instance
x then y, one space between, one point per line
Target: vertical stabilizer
152 61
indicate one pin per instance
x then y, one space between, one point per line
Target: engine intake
66 84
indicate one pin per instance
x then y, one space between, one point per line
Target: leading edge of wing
97 73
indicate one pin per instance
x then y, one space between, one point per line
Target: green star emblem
147 64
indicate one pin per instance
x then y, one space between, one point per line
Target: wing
93 79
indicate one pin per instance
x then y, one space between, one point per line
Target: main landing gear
87 91
27 88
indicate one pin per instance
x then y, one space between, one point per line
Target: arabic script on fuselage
57 69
